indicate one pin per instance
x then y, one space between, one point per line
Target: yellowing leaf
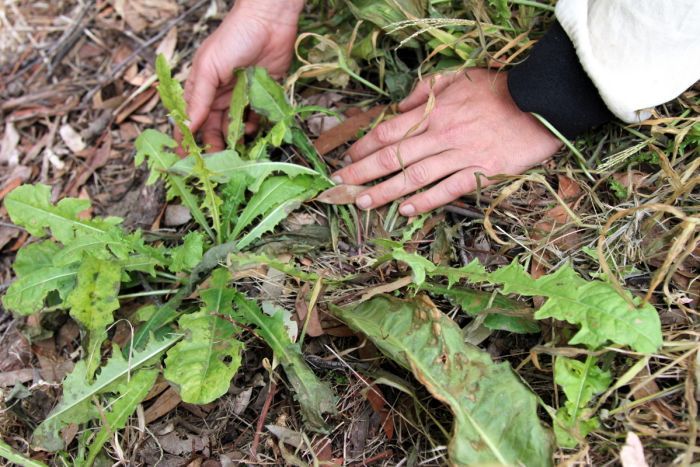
27 293
187 256
95 296
203 364
495 416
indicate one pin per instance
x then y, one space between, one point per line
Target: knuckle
351 174
418 174
457 186
383 132
387 159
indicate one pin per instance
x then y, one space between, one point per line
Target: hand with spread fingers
469 126
254 32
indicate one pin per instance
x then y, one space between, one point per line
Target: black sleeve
552 83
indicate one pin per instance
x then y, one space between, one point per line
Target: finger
200 91
179 150
252 123
212 134
389 160
402 126
413 178
432 83
446 191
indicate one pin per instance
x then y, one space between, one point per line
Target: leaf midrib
131 365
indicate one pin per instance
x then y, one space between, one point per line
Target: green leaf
29 206
601 312
595 306
187 256
173 99
150 146
273 192
495 415
418 264
95 296
232 196
35 256
131 392
171 95
314 396
580 382
267 96
503 313
6 452
203 364
274 215
76 404
239 102
27 293
225 165
569 429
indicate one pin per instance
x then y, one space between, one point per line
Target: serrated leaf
270 220
267 96
418 336
223 166
76 406
418 264
273 192
314 396
29 206
130 394
232 196
239 102
95 296
27 293
595 306
580 381
172 96
502 312
187 256
151 146
203 364
601 312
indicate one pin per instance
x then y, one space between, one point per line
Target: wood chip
346 131
163 405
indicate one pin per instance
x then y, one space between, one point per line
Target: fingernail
337 179
407 210
363 202
347 160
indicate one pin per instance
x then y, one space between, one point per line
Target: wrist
272 9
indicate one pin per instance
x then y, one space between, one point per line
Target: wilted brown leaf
341 194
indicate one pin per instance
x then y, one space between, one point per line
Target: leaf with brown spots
495 415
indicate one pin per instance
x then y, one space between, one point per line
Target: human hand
473 127
254 32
